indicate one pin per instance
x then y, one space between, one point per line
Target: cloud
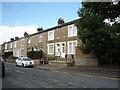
7 32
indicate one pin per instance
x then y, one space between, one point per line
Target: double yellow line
83 74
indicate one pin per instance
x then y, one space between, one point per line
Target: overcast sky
18 17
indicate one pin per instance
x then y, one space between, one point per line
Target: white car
24 61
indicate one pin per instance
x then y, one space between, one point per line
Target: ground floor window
40 48
16 53
71 46
50 48
22 52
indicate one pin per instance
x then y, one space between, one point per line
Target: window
10 45
15 44
22 52
6 46
22 42
51 35
28 41
71 47
40 38
40 48
72 31
51 48
14 52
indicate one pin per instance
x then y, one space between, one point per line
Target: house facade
58 41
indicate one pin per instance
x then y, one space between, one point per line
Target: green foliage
12 57
106 9
98 37
35 54
7 54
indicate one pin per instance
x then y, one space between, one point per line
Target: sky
18 17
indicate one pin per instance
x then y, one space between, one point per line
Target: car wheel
23 65
16 65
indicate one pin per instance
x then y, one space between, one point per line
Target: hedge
35 54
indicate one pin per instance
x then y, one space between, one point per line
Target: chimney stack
11 39
16 38
39 29
60 21
25 34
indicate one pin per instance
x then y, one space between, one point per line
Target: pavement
112 73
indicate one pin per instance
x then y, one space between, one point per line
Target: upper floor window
51 35
22 42
15 44
40 38
72 31
29 41
6 46
10 45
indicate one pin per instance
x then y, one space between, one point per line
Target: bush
7 54
12 57
35 54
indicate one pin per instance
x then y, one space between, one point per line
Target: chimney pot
12 39
39 29
25 34
60 21
16 38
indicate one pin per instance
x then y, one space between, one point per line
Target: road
18 77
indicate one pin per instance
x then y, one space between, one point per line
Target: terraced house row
60 40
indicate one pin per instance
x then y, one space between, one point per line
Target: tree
97 36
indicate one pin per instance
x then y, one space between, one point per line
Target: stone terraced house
60 40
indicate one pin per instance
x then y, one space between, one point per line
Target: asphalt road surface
19 77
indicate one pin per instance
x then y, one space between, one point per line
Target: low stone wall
10 60
86 61
38 62
61 63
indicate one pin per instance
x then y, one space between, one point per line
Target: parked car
24 62
2 67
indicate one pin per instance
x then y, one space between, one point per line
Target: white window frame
40 38
16 53
11 45
72 46
72 33
29 41
49 48
22 42
51 37
15 44
40 48
22 52
6 46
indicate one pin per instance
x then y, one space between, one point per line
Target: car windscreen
26 59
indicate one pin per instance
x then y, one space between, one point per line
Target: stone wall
86 61
61 63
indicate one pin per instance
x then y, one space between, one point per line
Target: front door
63 49
57 49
